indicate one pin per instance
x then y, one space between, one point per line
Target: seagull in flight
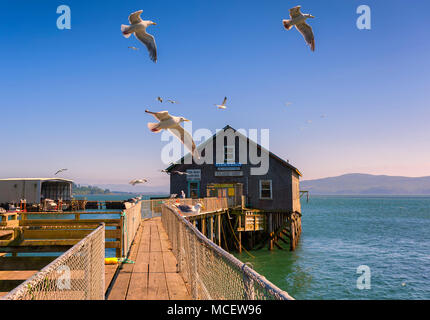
298 20
168 100
138 27
222 106
181 173
59 171
137 181
173 125
134 48
175 172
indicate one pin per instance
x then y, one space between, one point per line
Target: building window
194 174
265 189
229 154
194 190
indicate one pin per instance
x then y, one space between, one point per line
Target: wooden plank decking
153 276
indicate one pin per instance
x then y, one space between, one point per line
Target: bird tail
125 30
153 127
287 24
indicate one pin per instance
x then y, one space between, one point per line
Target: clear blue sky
76 98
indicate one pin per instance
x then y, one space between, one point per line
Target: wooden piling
219 229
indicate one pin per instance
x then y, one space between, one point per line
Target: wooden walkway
153 276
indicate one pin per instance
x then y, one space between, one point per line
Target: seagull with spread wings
137 181
59 171
138 27
298 20
173 125
222 106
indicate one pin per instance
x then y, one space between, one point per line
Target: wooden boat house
230 175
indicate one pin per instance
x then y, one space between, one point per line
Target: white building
34 190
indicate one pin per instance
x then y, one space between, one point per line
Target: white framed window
229 154
266 189
194 174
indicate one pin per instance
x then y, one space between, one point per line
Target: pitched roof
271 154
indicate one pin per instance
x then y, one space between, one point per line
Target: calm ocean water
391 235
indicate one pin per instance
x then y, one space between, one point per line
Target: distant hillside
85 190
367 184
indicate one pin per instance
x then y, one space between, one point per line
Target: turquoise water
391 235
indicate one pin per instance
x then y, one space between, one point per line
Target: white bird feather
138 28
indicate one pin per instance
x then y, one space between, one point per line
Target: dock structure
165 254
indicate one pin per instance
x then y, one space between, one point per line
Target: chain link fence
131 219
153 208
78 274
210 272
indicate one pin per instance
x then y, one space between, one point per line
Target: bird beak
312 16
186 120
154 24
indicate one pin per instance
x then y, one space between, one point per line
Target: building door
194 189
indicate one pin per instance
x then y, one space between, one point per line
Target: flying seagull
298 20
137 181
180 173
174 172
168 100
138 27
59 171
173 125
222 106
186 208
134 48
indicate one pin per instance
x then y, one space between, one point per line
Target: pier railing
211 272
78 274
153 208
130 221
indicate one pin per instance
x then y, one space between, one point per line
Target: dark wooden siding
282 177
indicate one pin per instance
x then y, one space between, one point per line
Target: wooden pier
151 271
153 275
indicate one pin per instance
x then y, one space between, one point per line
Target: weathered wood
211 228
66 234
203 225
240 235
219 229
62 222
17 275
153 275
